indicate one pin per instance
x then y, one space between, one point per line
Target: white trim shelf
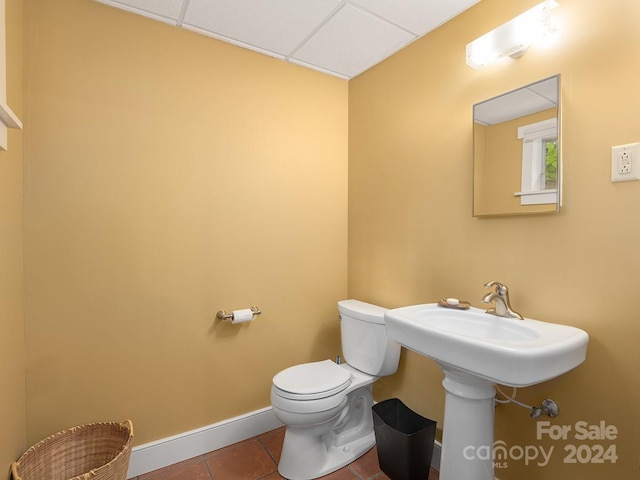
538 197
9 118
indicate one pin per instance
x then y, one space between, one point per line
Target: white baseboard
437 453
167 451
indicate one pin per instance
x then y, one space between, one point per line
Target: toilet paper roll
244 315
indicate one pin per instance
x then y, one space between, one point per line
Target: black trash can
404 440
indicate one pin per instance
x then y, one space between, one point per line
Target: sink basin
507 351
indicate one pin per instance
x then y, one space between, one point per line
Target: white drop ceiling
339 37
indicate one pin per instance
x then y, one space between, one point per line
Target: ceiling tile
275 25
166 9
351 42
417 16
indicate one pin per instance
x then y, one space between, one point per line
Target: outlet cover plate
624 162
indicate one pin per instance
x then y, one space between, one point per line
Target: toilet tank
365 344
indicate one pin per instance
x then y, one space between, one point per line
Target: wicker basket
97 451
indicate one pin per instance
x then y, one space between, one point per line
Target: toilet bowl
326 407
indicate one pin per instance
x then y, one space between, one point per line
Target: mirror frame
508 199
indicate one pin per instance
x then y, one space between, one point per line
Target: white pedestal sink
476 350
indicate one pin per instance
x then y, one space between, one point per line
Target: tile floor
257 458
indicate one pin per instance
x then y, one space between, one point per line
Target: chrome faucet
500 297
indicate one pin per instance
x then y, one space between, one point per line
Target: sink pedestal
467 443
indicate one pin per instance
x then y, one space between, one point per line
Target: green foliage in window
551 164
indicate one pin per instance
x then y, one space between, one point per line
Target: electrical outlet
624 162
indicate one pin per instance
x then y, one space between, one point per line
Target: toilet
325 406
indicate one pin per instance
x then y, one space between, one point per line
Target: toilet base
312 459
306 455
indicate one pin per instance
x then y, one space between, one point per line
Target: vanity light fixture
512 39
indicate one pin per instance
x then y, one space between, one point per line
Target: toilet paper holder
222 315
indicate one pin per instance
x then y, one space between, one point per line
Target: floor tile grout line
355 474
268 452
377 475
206 465
272 457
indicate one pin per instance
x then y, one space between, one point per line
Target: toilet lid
314 378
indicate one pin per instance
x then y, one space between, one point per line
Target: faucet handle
493 283
500 288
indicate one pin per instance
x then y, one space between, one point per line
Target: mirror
516 151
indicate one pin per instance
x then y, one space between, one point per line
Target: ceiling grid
340 37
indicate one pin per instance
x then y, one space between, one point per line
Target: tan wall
134 235
12 347
168 176
412 238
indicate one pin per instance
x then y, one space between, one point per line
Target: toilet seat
311 381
